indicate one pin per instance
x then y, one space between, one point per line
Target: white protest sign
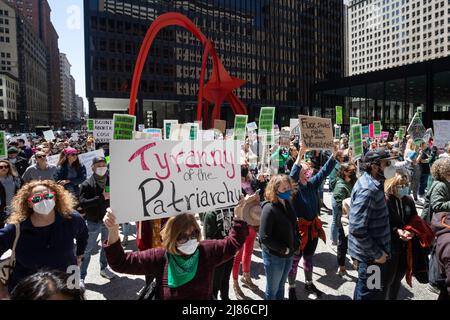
316 133
285 137
141 127
86 159
53 159
159 179
103 130
49 135
252 126
293 124
74 136
441 133
175 132
154 133
207 135
189 131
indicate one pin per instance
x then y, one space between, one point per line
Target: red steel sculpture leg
218 89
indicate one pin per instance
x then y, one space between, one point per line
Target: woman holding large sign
184 267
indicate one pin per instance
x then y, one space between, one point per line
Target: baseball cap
98 159
378 154
13 150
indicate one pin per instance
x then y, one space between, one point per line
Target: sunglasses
36 198
4 167
40 157
185 238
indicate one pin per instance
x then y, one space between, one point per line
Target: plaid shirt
369 231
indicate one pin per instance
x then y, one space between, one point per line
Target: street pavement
125 287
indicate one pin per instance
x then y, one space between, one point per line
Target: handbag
7 265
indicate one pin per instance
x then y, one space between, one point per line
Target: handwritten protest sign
285 137
159 179
293 124
220 125
416 129
442 132
103 130
240 124
3 145
339 115
123 126
154 133
377 128
266 119
167 127
356 133
49 135
74 136
316 133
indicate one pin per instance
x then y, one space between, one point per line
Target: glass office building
281 48
391 95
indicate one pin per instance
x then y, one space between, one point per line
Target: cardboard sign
159 179
86 159
103 130
316 133
221 125
49 135
154 133
123 127
442 133
285 137
356 133
339 115
90 124
3 145
295 129
371 131
377 128
337 131
365 132
240 125
416 129
167 127
266 119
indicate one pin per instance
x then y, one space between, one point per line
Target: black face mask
244 172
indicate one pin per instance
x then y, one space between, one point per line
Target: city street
125 287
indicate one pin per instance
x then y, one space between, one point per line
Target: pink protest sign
384 134
371 131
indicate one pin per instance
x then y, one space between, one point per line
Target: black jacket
21 165
92 200
18 183
278 229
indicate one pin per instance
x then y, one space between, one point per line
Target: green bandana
181 270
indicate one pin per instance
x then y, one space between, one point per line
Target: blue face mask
403 192
285 195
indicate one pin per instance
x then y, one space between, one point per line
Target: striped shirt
369 231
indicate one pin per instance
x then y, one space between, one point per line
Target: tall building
73 102
37 13
65 88
280 47
79 107
388 33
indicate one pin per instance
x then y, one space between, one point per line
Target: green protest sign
354 120
339 115
266 120
356 134
90 124
377 128
193 132
401 133
240 125
123 127
337 132
3 145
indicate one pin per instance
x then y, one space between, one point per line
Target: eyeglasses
36 198
4 167
185 238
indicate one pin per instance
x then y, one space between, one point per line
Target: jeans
334 222
244 255
94 229
277 269
423 183
369 285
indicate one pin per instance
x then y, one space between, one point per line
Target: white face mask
44 207
13 161
101 171
189 247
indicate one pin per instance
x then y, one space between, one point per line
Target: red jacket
425 236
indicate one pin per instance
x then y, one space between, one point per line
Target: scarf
181 270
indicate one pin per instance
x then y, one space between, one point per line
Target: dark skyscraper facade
279 47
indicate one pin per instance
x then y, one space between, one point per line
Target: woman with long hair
70 173
9 185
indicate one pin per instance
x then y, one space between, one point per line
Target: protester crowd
52 215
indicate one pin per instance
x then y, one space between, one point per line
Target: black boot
292 294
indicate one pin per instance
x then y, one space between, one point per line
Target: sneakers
238 292
433 289
107 274
292 294
313 292
82 285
